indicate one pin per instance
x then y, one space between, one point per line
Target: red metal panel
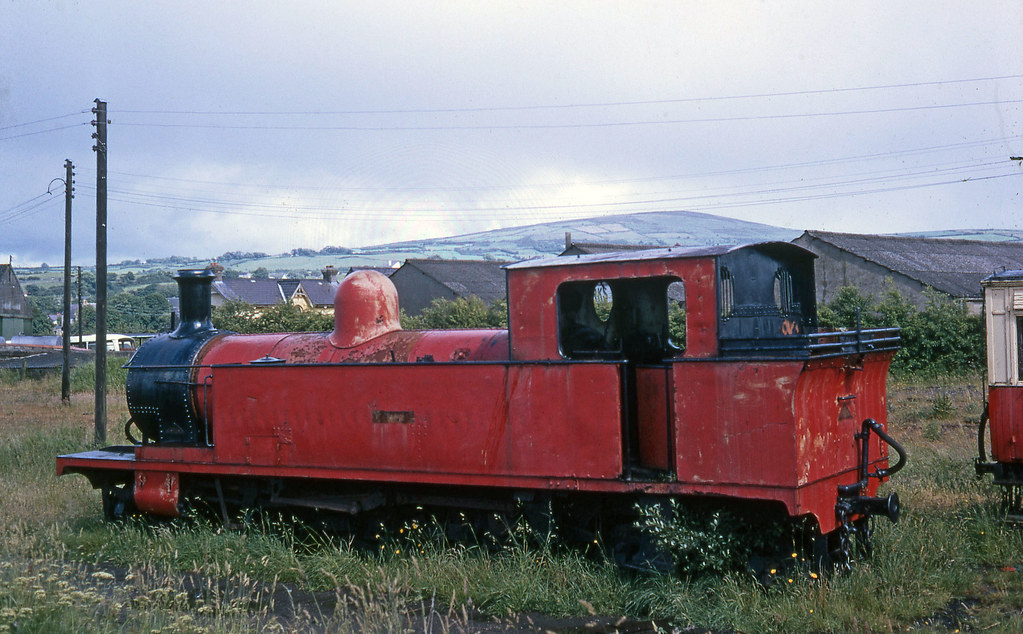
734 422
653 417
532 310
833 398
1005 411
157 492
786 428
559 420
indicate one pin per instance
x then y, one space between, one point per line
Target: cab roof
666 253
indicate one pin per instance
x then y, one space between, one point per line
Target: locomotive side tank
654 374
1003 309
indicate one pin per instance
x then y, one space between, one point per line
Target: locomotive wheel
118 502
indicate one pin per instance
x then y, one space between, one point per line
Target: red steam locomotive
1003 309
622 378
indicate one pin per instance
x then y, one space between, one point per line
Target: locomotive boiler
675 373
1003 310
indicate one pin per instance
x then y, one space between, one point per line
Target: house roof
953 266
319 292
13 302
383 270
483 278
263 292
266 292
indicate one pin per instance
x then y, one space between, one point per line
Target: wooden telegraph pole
101 269
65 329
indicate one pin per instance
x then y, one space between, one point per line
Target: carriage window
677 315
727 293
783 291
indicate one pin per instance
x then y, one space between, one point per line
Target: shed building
954 267
15 311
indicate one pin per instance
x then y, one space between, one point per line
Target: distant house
15 311
308 294
954 267
419 282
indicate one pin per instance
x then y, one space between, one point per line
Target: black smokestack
195 306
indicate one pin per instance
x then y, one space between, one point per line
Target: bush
940 339
282 317
463 312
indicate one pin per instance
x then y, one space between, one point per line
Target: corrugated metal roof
953 266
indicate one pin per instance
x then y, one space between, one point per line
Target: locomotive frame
588 396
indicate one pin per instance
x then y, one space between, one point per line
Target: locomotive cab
1003 311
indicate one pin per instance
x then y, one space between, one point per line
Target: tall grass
950 563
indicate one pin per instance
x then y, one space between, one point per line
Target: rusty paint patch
404 417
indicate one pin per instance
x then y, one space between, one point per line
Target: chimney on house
329 273
568 240
217 270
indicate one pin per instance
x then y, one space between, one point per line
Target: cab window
641 320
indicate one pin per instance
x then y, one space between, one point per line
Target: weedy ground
949 565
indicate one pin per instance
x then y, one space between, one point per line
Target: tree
41 324
261 273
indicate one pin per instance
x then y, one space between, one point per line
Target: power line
552 126
506 211
25 134
18 212
567 106
616 181
63 116
875 175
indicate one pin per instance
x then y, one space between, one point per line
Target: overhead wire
25 134
553 126
45 120
265 210
645 102
264 186
27 208
806 183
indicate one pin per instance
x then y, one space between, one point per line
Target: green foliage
939 339
463 312
83 377
704 540
131 313
282 317
41 323
677 325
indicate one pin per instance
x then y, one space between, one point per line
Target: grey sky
266 126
